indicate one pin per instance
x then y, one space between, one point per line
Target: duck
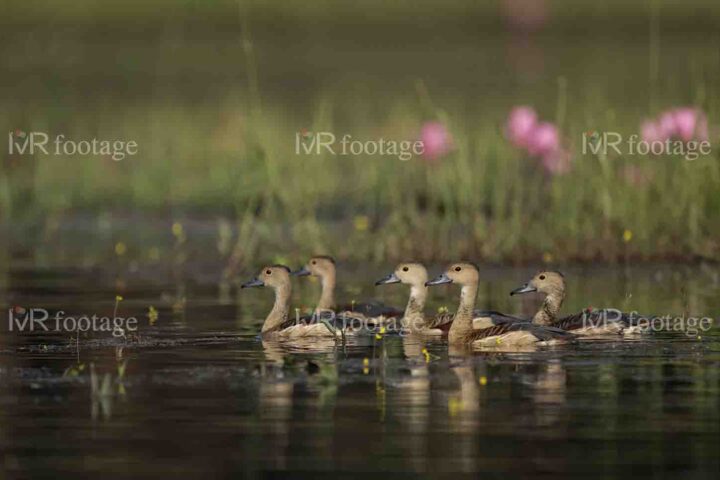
278 323
414 319
324 267
586 322
505 330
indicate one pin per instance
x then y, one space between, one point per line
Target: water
201 394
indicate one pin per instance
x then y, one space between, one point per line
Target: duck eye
268 272
542 277
405 269
457 269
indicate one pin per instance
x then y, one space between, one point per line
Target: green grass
483 201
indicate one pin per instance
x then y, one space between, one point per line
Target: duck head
274 276
409 273
317 266
462 273
547 282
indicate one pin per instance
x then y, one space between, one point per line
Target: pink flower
436 140
556 162
684 123
666 125
650 131
539 139
520 125
544 140
690 124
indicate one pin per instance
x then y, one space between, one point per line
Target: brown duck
587 322
506 330
279 323
323 267
414 319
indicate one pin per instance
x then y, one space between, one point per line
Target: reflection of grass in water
105 389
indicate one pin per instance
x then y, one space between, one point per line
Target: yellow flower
118 298
627 236
548 257
152 315
366 366
442 309
120 249
483 380
361 223
177 229
455 406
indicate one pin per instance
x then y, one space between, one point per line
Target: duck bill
255 282
388 279
439 280
524 289
303 272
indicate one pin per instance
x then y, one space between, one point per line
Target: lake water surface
199 393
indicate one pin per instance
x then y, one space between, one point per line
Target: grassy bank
483 200
216 116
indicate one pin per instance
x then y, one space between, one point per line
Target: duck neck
414 317
463 322
279 313
327 296
548 312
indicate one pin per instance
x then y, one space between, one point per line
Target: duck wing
571 322
497 317
540 332
341 320
442 321
596 318
292 321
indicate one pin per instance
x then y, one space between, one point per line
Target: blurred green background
214 93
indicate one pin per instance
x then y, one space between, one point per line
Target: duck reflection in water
549 393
